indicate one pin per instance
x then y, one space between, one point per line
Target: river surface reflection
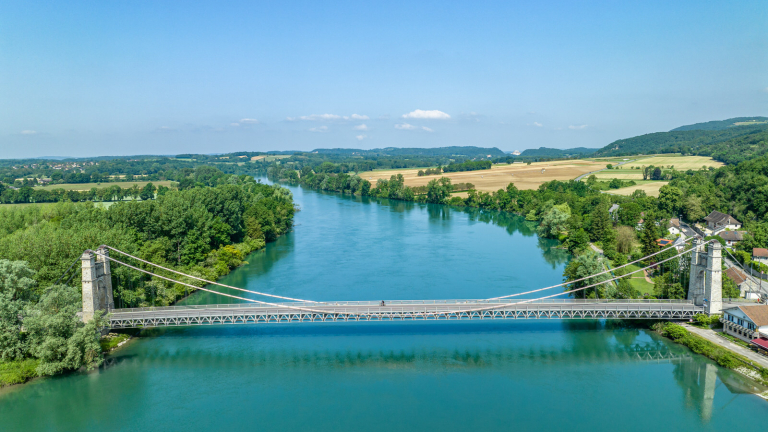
480 375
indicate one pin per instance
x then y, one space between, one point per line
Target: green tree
554 221
693 209
670 200
578 242
649 235
147 192
599 222
609 241
59 339
585 265
438 190
730 289
17 279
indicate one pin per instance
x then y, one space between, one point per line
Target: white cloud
234 124
428 114
359 117
28 132
319 129
249 121
361 137
427 129
318 117
577 127
405 126
361 127
537 124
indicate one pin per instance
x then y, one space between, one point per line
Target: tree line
204 231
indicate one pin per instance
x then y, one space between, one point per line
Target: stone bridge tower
97 283
705 287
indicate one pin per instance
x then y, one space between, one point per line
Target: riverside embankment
411 376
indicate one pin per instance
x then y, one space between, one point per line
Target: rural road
713 337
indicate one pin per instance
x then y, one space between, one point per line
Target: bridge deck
401 310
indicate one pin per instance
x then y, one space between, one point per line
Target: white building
674 226
732 237
746 322
717 221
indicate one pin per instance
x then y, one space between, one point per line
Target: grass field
637 280
89 186
680 163
269 158
651 188
499 176
622 174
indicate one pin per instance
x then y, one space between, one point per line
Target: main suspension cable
587 277
216 292
570 291
207 281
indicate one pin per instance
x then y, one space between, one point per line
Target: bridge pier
705 286
97 283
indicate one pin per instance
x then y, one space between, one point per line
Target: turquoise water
484 375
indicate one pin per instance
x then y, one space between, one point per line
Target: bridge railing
393 304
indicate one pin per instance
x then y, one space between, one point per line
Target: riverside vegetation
205 229
577 213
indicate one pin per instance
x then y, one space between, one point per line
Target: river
480 375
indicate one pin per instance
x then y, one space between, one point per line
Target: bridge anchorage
704 296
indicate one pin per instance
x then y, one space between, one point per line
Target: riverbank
713 349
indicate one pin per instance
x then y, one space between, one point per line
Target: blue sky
116 78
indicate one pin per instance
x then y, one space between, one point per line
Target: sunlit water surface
489 375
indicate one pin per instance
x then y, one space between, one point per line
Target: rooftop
758 314
732 235
721 219
760 252
737 275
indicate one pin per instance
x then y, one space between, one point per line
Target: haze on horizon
119 78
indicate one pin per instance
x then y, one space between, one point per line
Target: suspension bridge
704 296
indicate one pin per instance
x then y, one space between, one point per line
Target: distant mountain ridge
723 124
467 151
729 141
553 152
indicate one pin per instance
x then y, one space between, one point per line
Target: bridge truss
416 310
252 311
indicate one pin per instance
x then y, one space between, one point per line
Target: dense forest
722 124
205 229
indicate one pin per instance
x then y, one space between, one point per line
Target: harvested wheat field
651 189
499 176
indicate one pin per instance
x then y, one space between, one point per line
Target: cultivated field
269 158
650 188
499 176
680 163
89 186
